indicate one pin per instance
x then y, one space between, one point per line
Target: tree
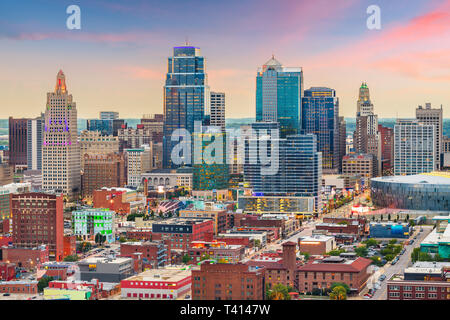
100 239
72 258
389 217
306 255
338 293
340 284
205 256
335 252
43 283
371 243
122 239
186 259
381 217
393 241
279 292
373 218
362 251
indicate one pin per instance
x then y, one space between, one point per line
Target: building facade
218 110
18 142
431 116
61 151
87 223
35 133
95 143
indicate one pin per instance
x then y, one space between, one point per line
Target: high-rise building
131 138
342 141
210 174
139 161
433 117
61 151
103 170
35 133
109 115
186 96
155 124
296 169
279 93
218 110
106 127
320 116
94 143
38 220
359 164
18 138
366 138
387 149
414 147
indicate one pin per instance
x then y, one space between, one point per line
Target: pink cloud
142 73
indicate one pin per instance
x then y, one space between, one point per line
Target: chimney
289 258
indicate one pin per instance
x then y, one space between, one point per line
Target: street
404 261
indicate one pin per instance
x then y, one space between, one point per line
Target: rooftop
104 260
171 274
440 178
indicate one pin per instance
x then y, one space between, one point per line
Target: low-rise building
316 244
322 273
154 253
120 200
438 241
217 250
105 269
260 236
87 223
168 283
389 230
7 271
25 257
18 287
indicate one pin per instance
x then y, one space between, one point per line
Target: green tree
361 251
371 242
279 292
415 254
72 258
43 283
335 252
306 255
186 259
205 256
340 284
122 239
393 241
338 293
389 217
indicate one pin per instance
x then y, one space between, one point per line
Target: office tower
38 220
366 137
387 149
360 164
320 116
6 173
434 117
139 161
342 141
109 115
414 147
279 93
94 143
154 123
210 170
103 170
18 130
35 134
186 96
61 151
218 110
131 138
299 165
105 127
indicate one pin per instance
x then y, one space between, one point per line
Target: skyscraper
299 165
279 93
186 96
434 117
218 110
109 115
320 116
387 149
61 151
18 142
35 133
414 147
366 138
342 141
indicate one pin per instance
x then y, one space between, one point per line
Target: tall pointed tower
60 150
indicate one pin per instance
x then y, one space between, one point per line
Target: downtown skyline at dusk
117 61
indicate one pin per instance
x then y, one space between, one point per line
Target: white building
218 110
138 161
432 117
414 147
61 151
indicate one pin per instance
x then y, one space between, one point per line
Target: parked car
382 277
6 294
368 296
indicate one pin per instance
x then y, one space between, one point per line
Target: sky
118 59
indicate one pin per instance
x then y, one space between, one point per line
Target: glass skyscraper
186 96
299 170
320 116
279 92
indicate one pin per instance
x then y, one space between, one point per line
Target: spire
60 83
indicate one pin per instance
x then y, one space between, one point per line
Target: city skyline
121 67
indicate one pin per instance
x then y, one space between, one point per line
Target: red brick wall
12 287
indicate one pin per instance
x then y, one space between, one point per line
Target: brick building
224 281
316 244
322 273
38 220
120 200
219 251
18 287
180 232
25 257
103 171
154 253
221 221
69 245
7 271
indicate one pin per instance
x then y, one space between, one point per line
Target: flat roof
320 238
440 178
105 260
169 274
435 237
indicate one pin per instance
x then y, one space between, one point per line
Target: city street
404 261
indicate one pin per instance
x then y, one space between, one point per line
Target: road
404 261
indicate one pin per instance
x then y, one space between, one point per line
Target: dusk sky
118 60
